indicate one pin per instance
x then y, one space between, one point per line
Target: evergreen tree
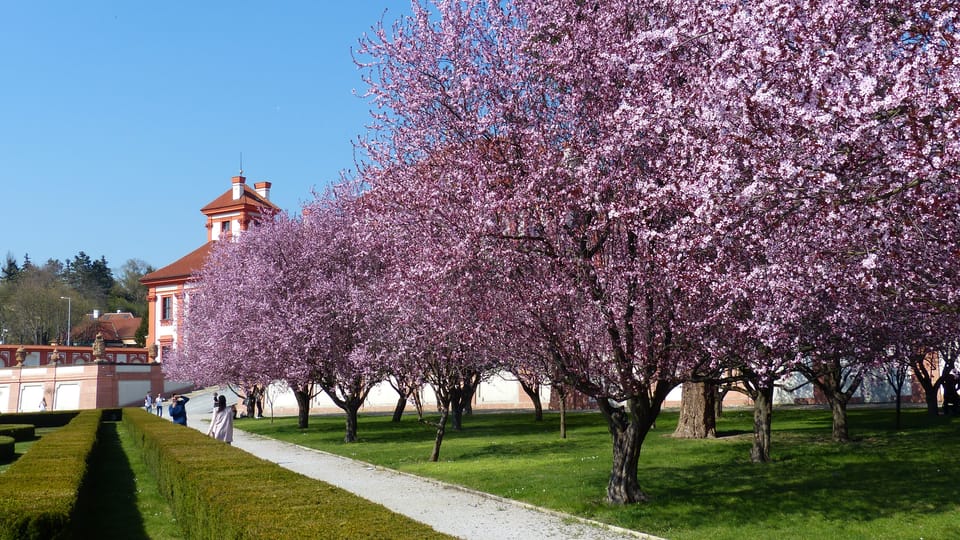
90 278
10 271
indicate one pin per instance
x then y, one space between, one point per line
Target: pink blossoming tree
618 157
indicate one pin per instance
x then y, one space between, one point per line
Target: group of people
154 404
253 402
177 411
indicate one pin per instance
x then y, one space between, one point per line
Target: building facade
228 215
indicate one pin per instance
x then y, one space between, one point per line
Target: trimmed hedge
40 489
8 448
39 419
20 432
218 491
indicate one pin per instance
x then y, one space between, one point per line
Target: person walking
148 403
951 398
178 413
158 403
221 425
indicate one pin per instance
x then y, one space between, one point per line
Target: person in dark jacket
177 410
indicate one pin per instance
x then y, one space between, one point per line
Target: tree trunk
418 404
899 400
762 420
457 423
925 378
838 406
303 407
456 407
398 410
533 392
930 394
351 431
697 410
628 426
831 383
718 402
562 398
470 384
441 429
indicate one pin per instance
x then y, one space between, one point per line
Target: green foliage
19 432
10 271
92 279
218 491
887 483
30 307
128 294
39 419
40 489
141 335
33 311
7 448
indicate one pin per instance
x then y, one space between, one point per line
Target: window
224 227
166 308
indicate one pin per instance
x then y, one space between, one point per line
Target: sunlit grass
884 484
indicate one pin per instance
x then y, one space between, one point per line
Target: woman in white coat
221 424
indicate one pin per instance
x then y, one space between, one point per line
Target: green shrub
8 447
40 489
19 432
218 491
39 419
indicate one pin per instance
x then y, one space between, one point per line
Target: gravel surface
447 508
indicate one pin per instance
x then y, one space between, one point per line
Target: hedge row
39 419
20 432
218 491
8 448
40 489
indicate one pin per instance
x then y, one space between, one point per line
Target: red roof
182 269
248 197
115 327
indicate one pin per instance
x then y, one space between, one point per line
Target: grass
121 499
887 483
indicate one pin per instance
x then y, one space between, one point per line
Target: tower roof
238 197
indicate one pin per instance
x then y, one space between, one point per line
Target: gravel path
447 508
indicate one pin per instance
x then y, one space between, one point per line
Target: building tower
167 288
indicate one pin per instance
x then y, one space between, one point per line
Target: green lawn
121 498
885 484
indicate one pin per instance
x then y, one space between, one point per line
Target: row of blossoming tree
616 196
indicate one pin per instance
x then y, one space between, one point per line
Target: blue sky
120 120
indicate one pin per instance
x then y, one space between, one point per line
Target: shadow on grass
876 477
108 500
733 433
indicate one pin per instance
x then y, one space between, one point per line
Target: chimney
238 182
96 314
263 189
